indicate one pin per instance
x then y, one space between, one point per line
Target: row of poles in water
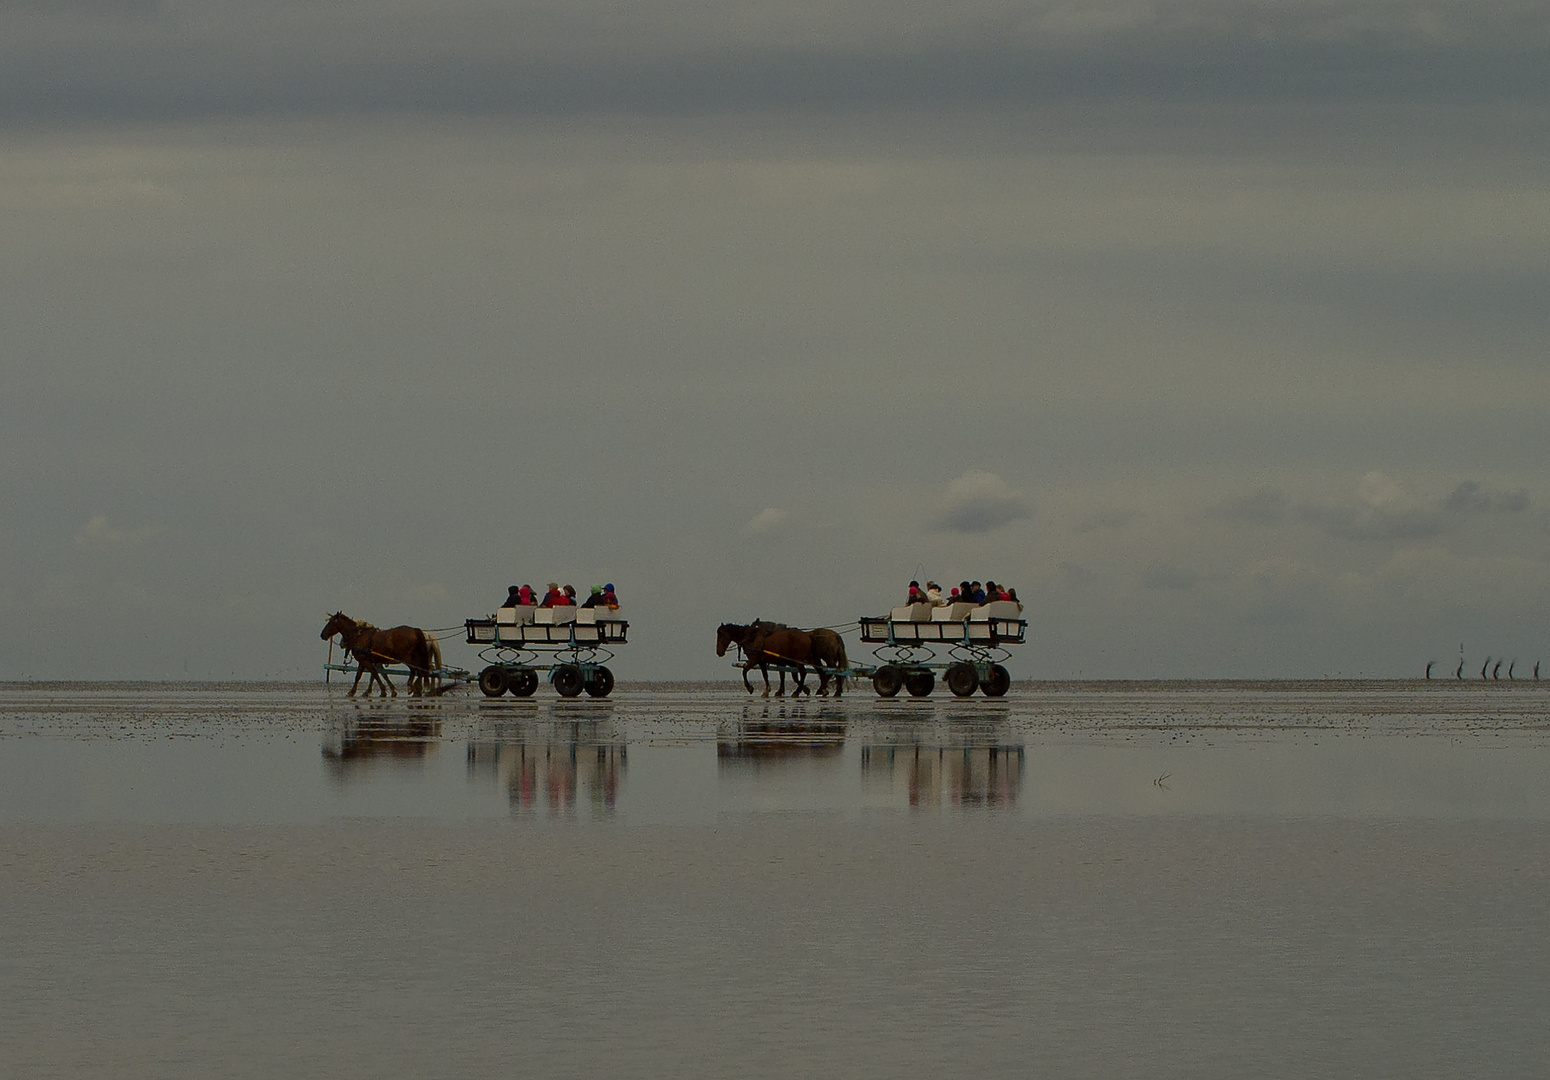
1487 670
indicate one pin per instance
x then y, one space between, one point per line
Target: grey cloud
205 59
74 9
1402 296
1474 497
1167 576
977 502
1111 517
1382 510
1077 576
1267 506
1376 523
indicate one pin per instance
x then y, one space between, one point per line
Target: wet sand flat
1177 948
1283 881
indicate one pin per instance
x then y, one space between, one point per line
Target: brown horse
821 649
371 648
743 636
765 642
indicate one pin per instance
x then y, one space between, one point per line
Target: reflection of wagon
569 643
973 636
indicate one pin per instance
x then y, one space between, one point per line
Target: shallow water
1277 879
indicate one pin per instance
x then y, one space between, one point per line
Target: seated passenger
916 595
1011 594
570 596
595 599
554 597
526 597
934 594
992 592
976 593
513 596
609 598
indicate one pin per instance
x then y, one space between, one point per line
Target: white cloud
100 534
979 501
1378 491
764 521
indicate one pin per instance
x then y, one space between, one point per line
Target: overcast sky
1218 328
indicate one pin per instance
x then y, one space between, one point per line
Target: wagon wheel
524 682
567 680
493 680
920 683
962 679
602 682
887 680
998 684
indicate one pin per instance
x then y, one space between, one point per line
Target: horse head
729 634
337 623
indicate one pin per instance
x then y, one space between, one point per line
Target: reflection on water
546 766
1395 751
960 775
780 733
361 743
797 755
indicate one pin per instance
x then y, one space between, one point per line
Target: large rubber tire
493 681
601 683
524 682
920 683
962 679
887 681
998 684
567 680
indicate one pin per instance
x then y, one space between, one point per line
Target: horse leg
782 691
746 684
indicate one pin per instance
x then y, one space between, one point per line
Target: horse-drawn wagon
973 637
569 645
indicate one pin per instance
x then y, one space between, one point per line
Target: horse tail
422 653
432 661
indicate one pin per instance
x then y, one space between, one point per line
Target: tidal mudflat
1107 879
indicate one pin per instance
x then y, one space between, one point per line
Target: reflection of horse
764 642
409 740
371 647
759 742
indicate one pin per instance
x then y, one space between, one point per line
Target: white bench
951 612
515 616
